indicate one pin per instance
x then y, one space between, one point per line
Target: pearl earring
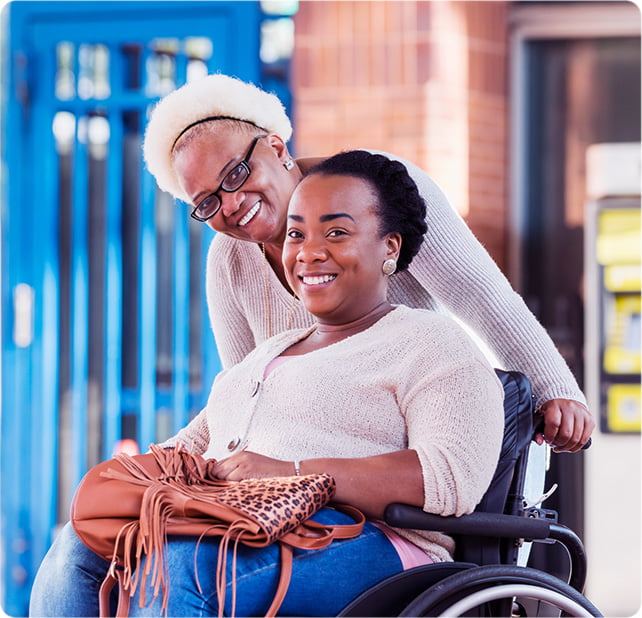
389 267
288 165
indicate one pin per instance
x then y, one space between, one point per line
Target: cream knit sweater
412 380
452 272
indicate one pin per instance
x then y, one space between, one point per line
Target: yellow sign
622 349
623 407
618 236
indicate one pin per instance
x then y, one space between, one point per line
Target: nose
312 250
231 202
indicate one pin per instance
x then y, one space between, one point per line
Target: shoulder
225 250
427 331
227 256
423 319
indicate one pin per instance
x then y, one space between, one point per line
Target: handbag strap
113 576
314 535
284 580
347 531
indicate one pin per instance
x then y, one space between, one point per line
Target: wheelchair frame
484 575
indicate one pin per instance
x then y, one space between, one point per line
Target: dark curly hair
400 207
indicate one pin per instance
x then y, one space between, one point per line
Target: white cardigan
412 380
452 272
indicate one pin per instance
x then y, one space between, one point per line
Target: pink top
409 554
274 363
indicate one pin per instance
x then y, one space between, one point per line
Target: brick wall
424 80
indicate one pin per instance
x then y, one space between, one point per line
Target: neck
273 253
354 326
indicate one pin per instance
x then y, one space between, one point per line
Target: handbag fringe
184 478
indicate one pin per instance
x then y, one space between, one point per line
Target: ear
393 245
278 146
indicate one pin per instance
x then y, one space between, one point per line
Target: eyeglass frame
245 164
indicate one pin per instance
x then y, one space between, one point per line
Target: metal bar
180 299
79 305
575 548
181 321
147 299
44 443
211 364
114 265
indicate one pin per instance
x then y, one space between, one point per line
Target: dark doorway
579 92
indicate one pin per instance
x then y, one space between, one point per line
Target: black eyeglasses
233 181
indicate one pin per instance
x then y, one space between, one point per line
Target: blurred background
527 114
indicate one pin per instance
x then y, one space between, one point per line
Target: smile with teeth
317 279
250 215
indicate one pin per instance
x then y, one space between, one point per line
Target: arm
195 437
233 335
369 483
457 271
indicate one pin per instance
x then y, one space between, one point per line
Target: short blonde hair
209 98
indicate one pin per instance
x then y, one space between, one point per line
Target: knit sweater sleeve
194 437
232 332
454 418
455 269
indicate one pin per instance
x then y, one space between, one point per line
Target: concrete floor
613 524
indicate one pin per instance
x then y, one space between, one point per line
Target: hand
246 464
567 425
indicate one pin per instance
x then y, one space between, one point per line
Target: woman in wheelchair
397 404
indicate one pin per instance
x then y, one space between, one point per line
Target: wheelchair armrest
495 525
476 524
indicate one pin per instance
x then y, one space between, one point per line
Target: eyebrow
323 218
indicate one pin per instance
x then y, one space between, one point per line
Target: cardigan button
233 444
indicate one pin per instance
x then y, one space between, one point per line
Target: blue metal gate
104 325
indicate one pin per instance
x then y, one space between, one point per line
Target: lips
248 216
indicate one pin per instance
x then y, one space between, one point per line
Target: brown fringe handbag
124 509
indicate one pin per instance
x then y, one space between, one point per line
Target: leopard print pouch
124 509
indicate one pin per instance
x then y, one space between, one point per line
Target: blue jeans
323 581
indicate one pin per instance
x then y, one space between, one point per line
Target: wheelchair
485 579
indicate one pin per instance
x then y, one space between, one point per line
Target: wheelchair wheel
497 590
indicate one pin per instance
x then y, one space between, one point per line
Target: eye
235 178
294 234
335 233
208 206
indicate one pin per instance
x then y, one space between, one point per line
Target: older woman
397 404
220 144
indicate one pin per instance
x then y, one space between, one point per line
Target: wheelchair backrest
505 493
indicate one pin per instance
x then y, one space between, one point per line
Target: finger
552 421
225 467
588 425
567 434
583 426
570 444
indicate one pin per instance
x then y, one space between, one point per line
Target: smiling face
334 252
256 211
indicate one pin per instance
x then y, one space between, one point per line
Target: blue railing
105 334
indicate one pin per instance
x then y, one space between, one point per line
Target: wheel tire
457 588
